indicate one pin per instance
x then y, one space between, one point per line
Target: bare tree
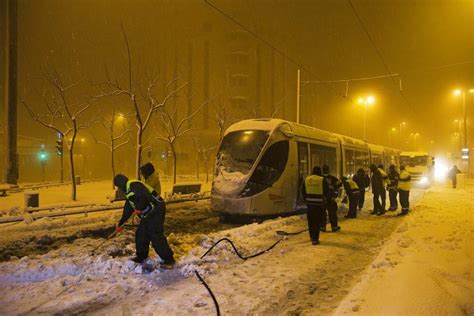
173 129
63 110
114 140
143 100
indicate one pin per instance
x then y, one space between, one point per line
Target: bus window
269 169
323 155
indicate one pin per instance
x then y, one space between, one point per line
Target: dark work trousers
361 198
404 197
455 181
151 228
377 197
383 196
353 200
315 218
392 195
331 208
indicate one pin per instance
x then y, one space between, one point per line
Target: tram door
303 169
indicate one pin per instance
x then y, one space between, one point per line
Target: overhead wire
379 54
279 51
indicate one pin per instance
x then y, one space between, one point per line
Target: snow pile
229 183
426 268
248 239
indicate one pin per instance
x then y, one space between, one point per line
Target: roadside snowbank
427 267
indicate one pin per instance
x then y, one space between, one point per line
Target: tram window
240 149
362 160
350 162
303 159
269 169
303 165
376 159
323 155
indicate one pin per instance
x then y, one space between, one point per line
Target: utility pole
298 83
11 155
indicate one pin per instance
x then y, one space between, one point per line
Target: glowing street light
400 130
414 135
459 92
367 101
390 131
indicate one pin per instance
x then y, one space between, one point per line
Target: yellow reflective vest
404 182
154 181
314 189
129 193
353 186
385 178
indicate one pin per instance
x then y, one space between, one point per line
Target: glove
118 229
137 212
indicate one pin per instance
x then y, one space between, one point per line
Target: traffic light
59 147
43 154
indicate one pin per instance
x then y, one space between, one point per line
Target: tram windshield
240 149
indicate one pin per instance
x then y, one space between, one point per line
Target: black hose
237 252
210 292
284 233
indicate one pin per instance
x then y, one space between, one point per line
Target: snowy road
293 278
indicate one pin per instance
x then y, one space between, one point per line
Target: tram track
185 224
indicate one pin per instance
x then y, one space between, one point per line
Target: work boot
137 259
335 229
168 264
380 213
403 213
322 228
315 242
373 212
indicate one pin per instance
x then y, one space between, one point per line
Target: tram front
249 167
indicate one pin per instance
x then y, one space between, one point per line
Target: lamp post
459 92
390 131
415 135
367 101
401 138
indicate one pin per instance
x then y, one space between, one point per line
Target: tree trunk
112 152
139 152
71 162
206 160
197 164
173 152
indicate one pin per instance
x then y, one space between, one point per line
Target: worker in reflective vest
404 186
151 177
383 194
331 204
314 192
392 187
352 191
143 201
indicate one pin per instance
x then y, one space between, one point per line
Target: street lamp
401 137
390 131
367 101
414 135
459 92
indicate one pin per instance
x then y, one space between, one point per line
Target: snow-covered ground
427 266
374 265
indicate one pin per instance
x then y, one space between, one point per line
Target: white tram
261 164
